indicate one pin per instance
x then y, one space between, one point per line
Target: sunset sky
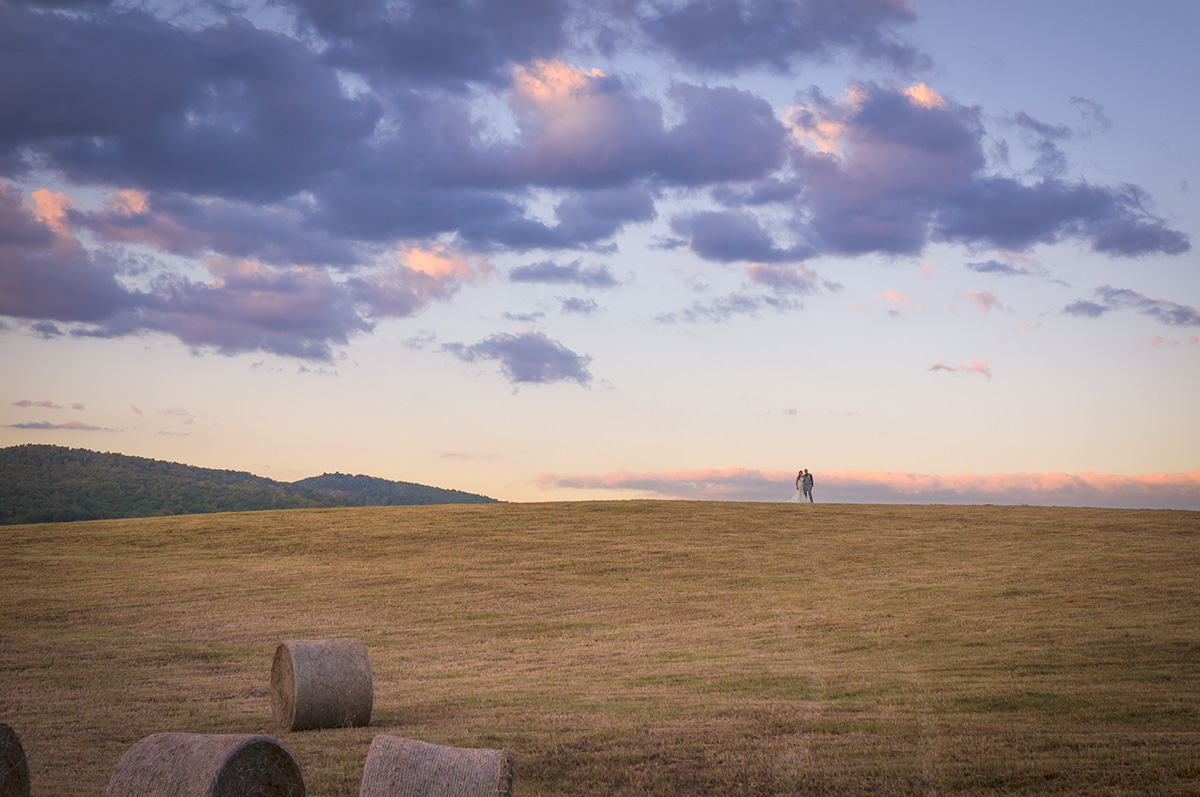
935 252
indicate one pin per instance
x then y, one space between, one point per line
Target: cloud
726 134
44 404
523 318
723 308
728 236
293 167
585 129
44 329
770 286
69 426
198 226
1109 299
1093 115
580 306
598 215
445 44
418 276
549 272
1155 490
887 169
786 278
896 299
1051 161
247 306
1004 213
46 274
580 128
527 358
228 109
1085 308
887 159
728 36
982 368
1009 268
984 301
999 268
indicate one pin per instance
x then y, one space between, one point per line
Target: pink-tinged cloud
984 300
891 297
46 404
1153 490
1159 342
417 277
51 210
982 368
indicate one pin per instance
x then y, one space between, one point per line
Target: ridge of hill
46 483
370 491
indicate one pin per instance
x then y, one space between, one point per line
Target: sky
934 252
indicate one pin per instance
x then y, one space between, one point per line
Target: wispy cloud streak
982 368
1107 298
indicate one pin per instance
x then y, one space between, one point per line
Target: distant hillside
369 491
40 484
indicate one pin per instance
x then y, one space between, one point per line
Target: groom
805 481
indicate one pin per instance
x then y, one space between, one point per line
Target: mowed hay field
634 647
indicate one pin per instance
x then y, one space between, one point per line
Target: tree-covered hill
42 483
369 491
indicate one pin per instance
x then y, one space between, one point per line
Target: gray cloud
1093 115
580 306
996 267
774 287
446 43
69 426
191 227
731 35
574 273
1109 299
50 278
227 109
731 235
527 358
284 160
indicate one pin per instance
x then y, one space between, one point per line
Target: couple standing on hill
804 481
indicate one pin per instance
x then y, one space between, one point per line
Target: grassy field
634 647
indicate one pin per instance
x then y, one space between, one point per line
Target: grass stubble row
634 647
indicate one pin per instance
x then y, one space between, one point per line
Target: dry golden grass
634 647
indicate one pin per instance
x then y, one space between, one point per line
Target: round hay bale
206 765
407 768
14 777
324 683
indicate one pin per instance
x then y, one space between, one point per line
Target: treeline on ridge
44 483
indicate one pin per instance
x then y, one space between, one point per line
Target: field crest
634 647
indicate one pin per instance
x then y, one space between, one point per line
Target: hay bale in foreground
14 777
324 683
206 765
407 768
